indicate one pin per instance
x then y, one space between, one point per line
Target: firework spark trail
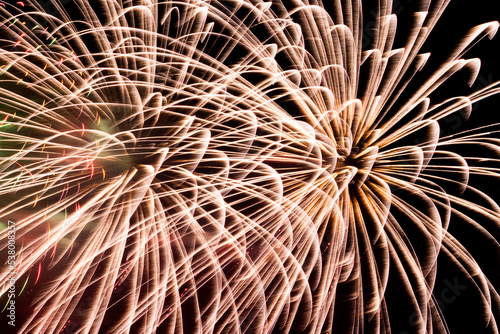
145 165
149 140
312 62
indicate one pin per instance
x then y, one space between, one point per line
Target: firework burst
132 165
236 167
383 133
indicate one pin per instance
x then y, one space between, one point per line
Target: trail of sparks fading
185 213
147 151
387 149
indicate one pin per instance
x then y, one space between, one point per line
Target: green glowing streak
8 300
35 27
22 148
20 252
24 285
8 67
16 181
52 41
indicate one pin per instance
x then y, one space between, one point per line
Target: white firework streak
136 164
158 185
313 62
